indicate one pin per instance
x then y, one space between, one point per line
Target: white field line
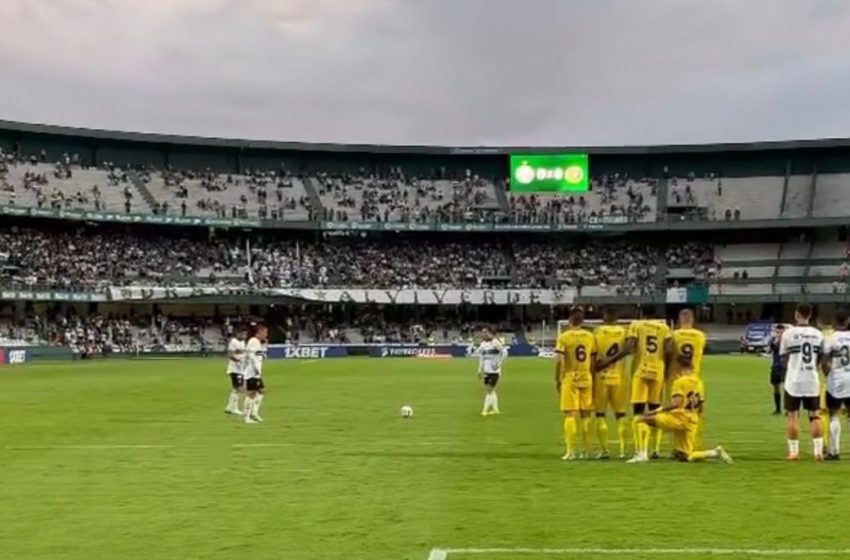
249 445
445 553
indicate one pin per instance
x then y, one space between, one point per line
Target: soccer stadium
215 347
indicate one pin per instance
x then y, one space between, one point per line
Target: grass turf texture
335 473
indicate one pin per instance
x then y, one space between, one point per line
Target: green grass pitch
135 460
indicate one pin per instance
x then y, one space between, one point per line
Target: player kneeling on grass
681 419
255 352
491 354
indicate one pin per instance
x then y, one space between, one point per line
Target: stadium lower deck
136 459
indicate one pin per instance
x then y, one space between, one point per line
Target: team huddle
591 378
245 354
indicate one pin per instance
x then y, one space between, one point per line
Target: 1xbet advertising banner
13 356
306 351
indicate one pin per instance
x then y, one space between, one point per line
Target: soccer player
836 365
687 350
236 371
255 352
575 354
800 348
651 341
610 388
491 354
777 370
681 418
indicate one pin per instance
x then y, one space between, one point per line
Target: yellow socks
602 433
587 433
658 435
570 430
622 429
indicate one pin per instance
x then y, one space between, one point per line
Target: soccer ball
406 412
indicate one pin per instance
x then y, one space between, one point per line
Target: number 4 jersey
803 345
837 348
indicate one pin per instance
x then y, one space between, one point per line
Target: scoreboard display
557 173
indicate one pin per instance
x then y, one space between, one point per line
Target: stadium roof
168 139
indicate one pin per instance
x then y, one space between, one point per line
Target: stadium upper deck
131 177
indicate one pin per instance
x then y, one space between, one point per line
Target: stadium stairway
143 190
811 202
313 193
501 195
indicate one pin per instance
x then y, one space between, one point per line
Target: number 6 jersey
803 345
837 348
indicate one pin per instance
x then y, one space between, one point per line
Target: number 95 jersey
803 345
837 348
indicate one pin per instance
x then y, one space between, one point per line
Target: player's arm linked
627 349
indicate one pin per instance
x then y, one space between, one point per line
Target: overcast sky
458 72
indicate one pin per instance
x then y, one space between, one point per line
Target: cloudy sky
459 72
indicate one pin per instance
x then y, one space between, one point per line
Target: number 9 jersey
688 346
803 345
837 349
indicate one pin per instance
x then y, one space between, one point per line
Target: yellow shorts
576 398
682 428
646 390
613 397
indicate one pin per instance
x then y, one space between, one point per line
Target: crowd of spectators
396 197
625 268
611 198
90 260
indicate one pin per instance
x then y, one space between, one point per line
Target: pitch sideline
445 553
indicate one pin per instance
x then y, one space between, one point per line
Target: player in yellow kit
610 386
651 343
681 418
687 351
575 355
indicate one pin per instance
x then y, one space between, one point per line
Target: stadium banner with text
413 351
590 224
307 351
127 218
37 295
558 173
10 356
387 297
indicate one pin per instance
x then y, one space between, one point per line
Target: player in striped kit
491 355
836 366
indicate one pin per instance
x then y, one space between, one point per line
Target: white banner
390 297
677 295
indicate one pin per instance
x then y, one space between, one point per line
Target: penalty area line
445 553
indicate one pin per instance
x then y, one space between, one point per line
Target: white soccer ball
406 412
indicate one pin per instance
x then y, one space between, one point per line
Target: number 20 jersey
837 347
803 345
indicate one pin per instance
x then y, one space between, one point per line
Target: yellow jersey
576 346
650 339
692 391
688 345
610 339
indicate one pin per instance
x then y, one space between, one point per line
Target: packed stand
377 265
623 268
611 199
85 261
396 197
254 194
699 257
66 184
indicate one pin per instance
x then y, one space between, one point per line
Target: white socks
817 446
491 402
233 401
258 400
712 453
248 407
835 434
794 446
